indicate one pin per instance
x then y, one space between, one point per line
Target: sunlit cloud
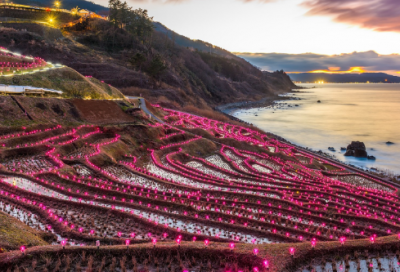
378 15
352 70
357 62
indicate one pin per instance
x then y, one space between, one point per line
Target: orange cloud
355 70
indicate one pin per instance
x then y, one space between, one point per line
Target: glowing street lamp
154 242
127 242
255 251
206 242
342 240
178 241
232 246
63 243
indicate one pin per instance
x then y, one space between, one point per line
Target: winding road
144 107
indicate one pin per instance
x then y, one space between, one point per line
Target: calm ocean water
348 112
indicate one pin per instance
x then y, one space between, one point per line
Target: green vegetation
14 233
67 80
137 22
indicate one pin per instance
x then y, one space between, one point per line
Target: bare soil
101 111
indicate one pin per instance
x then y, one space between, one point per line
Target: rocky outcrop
356 149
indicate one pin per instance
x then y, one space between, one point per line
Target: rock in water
356 149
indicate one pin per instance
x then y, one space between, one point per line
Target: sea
369 113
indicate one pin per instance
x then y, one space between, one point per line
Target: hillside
346 78
67 80
194 44
185 194
187 77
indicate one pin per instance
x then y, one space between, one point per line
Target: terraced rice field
259 192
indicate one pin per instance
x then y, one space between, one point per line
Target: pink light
206 242
154 241
313 243
22 248
372 239
291 251
255 251
127 242
266 264
232 246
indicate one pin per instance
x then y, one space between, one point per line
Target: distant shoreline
265 102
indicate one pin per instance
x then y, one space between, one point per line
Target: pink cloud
379 15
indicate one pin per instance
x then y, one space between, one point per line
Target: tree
140 24
119 13
157 67
138 60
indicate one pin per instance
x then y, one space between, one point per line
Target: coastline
264 102
230 109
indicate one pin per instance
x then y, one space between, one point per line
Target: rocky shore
265 102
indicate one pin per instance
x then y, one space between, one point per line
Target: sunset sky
292 27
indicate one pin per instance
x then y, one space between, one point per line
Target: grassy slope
14 233
67 80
